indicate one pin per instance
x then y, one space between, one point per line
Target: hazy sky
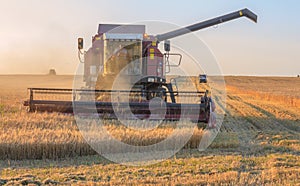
38 35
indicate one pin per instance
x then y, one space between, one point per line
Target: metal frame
196 112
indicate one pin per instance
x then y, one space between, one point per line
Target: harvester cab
127 54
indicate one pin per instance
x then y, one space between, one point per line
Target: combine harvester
127 55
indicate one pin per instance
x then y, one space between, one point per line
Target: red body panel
154 60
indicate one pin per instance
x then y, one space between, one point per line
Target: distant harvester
52 71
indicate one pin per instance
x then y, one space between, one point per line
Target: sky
38 35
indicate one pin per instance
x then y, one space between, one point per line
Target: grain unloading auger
127 55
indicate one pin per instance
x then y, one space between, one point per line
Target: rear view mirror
80 43
167 46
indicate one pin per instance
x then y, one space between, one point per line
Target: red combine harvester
124 56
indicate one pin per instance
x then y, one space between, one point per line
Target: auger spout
205 24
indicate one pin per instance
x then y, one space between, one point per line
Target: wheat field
258 143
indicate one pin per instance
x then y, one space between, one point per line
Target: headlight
150 79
